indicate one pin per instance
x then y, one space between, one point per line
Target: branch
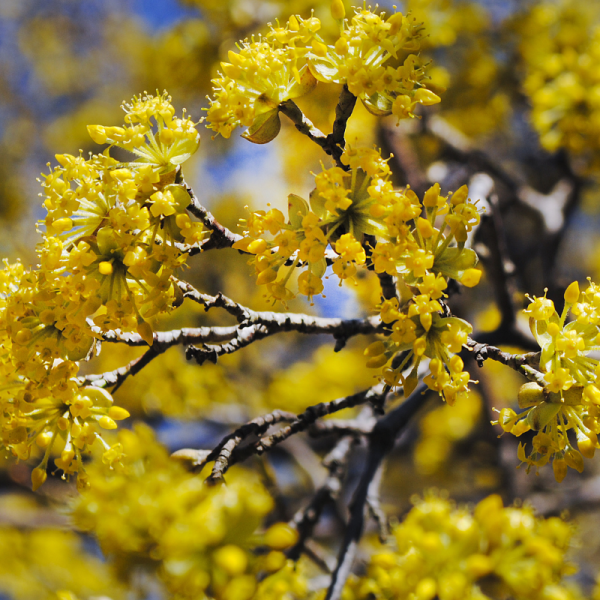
276 322
466 153
165 339
118 376
222 453
521 363
220 237
241 313
306 519
225 457
304 125
381 442
501 265
334 143
244 337
343 111
374 504
400 147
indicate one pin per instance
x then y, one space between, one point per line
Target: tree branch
334 143
521 363
381 442
306 519
224 460
220 237
118 376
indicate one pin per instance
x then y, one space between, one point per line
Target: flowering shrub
407 250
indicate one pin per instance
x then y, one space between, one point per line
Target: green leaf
297 210
453 262
317 203
324 70
182 198
105 238
81 351
265 127
318 268
378 105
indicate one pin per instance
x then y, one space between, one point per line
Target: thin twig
501 265
522 363
118 376
241 313
222 453
304 125
300 423
306 519
176 337
381 442
334 143
462 147
343 111
220 236
374 504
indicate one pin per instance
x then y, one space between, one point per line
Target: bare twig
374 504
408 169
523 363
343 111
333 144
300 423
176 337
463 149
304 125
306 519
222 453
220 237
501 265
241 313
381 443
388 286
118 376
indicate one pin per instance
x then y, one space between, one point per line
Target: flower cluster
359 59
288 61
446 552
52 564
560 46
568 398
264 73
349 209
424 252
114 235
200 539
344 208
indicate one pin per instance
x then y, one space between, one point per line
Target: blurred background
519 122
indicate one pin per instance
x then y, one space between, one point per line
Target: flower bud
338 11
541 415
530 394
106 423
232 559
572 293
38 477
280 536
559 466
117 413
105 268
471 277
